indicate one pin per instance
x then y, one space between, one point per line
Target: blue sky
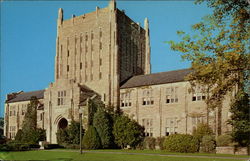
28 36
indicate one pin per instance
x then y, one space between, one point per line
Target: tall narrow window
100 45
86 37
100 34
92 35
81 65
67 68
61 98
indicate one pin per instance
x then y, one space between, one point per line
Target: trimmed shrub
160 142
52 146
182 143
224 140
149 143
202 130
91 140
16 146
208 144
103 126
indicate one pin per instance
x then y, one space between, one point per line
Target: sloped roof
25 96
156 78
86 93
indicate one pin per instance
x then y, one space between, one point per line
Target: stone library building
106 55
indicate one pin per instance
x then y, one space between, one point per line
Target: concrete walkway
155 154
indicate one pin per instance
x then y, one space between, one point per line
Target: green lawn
105 155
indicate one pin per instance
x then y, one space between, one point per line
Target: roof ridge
157 78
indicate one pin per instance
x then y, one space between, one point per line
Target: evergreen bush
202 130
103 125
149 143
160 142
208 144
182 143
224 140
91 139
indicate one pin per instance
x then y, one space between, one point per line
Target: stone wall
163 113
232 150
14 117
131 42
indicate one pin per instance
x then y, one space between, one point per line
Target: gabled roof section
86 93
156 78
26 96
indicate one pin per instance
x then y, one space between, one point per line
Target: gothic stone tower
95 53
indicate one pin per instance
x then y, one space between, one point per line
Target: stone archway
62 124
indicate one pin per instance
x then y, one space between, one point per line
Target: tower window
100 61
68 53
61 98
100 45
81 65
86 37
67 68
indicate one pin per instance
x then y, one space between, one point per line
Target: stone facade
106 55
165 109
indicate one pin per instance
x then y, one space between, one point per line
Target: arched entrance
62 124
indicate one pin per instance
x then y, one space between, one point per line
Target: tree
1 122
74 132
29 126
127 132
219 51
30 133
1 127
91 139
19 135
103 125
240 119
62 136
